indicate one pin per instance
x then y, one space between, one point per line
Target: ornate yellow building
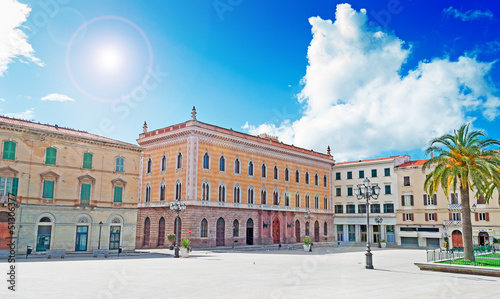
77 191
237 187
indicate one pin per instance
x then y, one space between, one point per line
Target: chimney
145 127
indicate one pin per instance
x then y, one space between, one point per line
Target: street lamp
364 191
100 229
379 220
177 207
474 208
233 236
308 215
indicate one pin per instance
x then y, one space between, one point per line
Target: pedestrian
311 248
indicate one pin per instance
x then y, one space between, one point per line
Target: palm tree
463 160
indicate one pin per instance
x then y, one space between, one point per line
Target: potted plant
185 248
496 243
307 243
171 239
383 244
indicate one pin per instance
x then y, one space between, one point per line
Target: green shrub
307 241
171 238
185 243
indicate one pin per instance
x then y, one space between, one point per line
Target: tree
463 159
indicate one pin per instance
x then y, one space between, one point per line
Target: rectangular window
48 189
362 209
87 160
349 191
374 173
480 200
85 192
388 208
455 216
350 209
8 185
407 200
431 217
361 174
118 194
9 150
349 175
387 171
119 164
338 191
351 229
387 189
408 217
50 156
375 208
406 181
337 176
454 198
482 216
339 209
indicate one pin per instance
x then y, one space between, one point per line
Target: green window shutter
119 164
48 189
85 192
15 183
50 156
9 150
87 160
118 194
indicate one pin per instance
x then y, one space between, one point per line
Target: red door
219 236
161 232
316 231
147 227
276 231
297 231
456 238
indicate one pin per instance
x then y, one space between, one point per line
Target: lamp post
100 229
233 236
379 220
473 208
364 191
177 207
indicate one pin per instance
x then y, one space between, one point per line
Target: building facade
76 191
238 188
425 221
350 213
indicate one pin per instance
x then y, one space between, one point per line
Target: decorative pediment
86 179
118 182
8 172
49 175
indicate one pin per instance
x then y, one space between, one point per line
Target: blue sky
380 81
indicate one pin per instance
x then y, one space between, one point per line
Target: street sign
189 230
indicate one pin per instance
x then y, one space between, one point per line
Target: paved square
338 273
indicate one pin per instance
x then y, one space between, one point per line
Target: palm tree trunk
466 224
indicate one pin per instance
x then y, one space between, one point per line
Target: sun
109 58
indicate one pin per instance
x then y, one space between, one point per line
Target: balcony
454 207
452 223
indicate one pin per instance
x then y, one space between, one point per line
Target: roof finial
328 151
193 113
145 127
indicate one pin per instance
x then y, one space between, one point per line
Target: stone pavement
325 273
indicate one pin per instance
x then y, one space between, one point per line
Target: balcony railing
454 206
452 223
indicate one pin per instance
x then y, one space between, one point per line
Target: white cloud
55 97
28 114
13 41
2 100
469 15
356 100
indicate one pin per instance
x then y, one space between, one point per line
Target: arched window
250 168
161 233
205 191
204 228
222 164
316 180
297 176
236 194
325 202
276 197
287 175
307 199
236 228
287 198
297 199
275 172
325 181
163 163
149 167
250 195
263 170
325 229
179 160
307 178
237 166
178 190
162 190
147 193
206 161
45 219
222 192
263 196
307 228
316 201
